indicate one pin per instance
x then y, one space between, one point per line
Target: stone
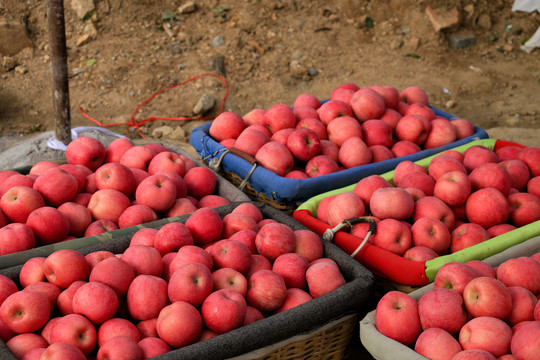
90 29
484 21
218 41
442 19
83 7
82 40
177 134
162 131
8 63
187 8
13 37
205 103
217 63
20 69
462 42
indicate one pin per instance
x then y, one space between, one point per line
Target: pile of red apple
474 311
459 200
173 286
99 190
356 126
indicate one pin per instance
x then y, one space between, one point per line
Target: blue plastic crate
287 194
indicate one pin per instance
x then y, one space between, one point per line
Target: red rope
137 124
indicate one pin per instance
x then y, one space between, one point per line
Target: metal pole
59 70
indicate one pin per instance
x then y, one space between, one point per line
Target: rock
311 71
83 7
442 19
8 63
462 42
217 63
20 69
13 37
175 48
205 103
177 134
162 131
90 29
484 21
82 40
187 8
218 41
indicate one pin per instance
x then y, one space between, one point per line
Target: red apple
120 346
16 237
171 237
143 260
464 128
486 296
205 225
420 253
530 155
342 128
228 278
200 181
321 165
477 155
96 301
78 216
304 144
486 333
146 297
432 233
388 202
138 157
404 148
354 152
57 186
254 116
25 311
522 271
86 151
266 290
344 206
435 343
275 239
449 318
135 215
227 125
453 187
275 157
454 276
117 148
114 272
115 176
232 254
279 116
100 227
19 201
367 104
413 95
191 283
524 208
179 324
251 140
396 317
413 128
525 342
156 191
314 124
333 109
117 327
487 207
392 235
467 234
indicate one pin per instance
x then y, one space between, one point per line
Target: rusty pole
59 70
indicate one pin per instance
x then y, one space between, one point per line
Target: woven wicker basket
286 207
330 341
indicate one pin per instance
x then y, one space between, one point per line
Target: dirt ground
269 52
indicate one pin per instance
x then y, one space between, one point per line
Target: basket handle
244 155
329 233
